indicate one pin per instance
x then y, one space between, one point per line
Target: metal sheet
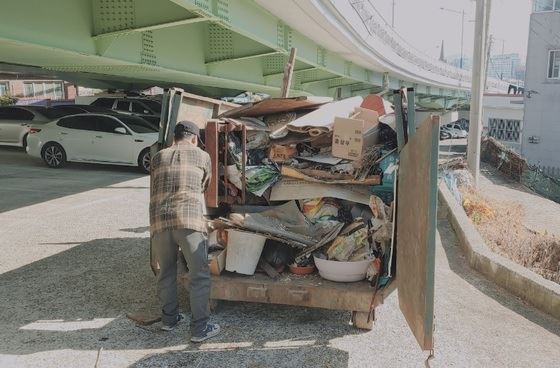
416 229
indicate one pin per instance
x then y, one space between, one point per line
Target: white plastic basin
342 271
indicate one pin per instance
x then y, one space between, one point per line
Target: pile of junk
304 185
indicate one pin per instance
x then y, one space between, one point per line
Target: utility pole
393 16
488 53
477 93
462 13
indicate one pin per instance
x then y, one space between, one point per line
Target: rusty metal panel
416 230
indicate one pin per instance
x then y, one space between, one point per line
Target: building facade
37 91
502 118
541 131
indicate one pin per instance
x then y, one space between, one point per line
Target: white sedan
94 138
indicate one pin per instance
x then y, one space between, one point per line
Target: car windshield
137 125
154 105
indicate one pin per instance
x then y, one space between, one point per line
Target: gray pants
195 249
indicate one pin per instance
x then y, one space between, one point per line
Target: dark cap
186 127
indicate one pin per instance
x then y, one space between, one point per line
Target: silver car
15 122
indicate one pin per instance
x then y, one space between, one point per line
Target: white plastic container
342 271
243 251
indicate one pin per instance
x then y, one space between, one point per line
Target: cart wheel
214 305
360 320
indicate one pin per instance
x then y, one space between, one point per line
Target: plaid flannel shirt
179 176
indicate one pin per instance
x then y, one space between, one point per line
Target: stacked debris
313 177
516 167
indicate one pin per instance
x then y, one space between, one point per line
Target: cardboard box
217 261
351 137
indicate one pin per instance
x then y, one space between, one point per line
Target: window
4 88
554 64
104 102
52 90
505 130
138 125
138 108
14 113
154 106
123 105
546 5
107 125
82 122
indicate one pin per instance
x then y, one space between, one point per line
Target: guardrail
378 27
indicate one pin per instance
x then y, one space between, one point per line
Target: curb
524 283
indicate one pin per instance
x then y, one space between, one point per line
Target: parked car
456 130
94 138
80 109
444 134
139 106
15 122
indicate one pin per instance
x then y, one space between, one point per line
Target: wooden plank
288 73
275 106
289 289
416 228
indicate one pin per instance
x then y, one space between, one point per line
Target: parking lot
75 246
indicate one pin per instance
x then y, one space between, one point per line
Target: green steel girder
223 44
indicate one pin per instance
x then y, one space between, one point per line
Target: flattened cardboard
288 189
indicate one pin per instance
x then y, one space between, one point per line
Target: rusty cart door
416 229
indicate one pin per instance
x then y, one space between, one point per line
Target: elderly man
179 178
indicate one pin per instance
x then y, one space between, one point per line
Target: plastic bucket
243 251
342 271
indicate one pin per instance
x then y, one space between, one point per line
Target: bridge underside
213 47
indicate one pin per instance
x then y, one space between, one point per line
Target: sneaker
211 330
180 318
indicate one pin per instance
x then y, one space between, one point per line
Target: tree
7 100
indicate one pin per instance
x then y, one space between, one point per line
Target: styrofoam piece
342 271
243 251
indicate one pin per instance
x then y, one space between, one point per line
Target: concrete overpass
218 47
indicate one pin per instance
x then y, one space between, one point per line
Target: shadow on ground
459 264
38 183
78 300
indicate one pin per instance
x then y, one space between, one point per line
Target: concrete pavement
74 247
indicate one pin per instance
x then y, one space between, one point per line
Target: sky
424 25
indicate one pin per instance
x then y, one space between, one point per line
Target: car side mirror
120 130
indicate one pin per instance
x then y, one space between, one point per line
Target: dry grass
501 225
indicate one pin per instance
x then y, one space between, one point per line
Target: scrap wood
366 163
326 240
276 106
288 73
268 269
324 177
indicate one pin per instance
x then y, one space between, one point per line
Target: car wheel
144 160
53 154
24 141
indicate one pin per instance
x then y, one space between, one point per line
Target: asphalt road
74 261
